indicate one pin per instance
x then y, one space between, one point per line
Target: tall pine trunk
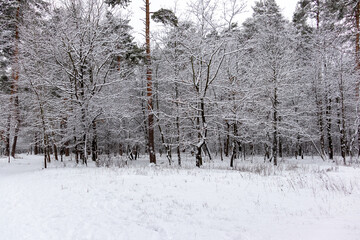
14 87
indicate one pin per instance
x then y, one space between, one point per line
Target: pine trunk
14 86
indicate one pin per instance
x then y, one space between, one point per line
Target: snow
302 201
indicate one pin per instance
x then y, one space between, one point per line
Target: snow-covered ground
295 201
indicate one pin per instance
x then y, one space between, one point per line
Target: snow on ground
295 201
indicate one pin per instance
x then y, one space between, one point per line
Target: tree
81 45
270 56
151 143
13 13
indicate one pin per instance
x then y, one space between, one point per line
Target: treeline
73 81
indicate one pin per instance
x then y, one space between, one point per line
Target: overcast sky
138 15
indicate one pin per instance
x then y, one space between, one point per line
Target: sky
138 15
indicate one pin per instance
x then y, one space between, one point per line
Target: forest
74 82
208 126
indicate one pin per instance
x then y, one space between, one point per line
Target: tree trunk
244 151
149 87
275 130
14 86
36 146
76 149
341 112
177 124
165 144
321 129
17 126
320 124
202 133
45 161
177 120
329 137
280 147
341 126
198 156
121 151
55 152
63 125
233 155
357 61
199 161
94 154
7 138
299 147
227 141
221 147
280 142
267 152
318 96
178 154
